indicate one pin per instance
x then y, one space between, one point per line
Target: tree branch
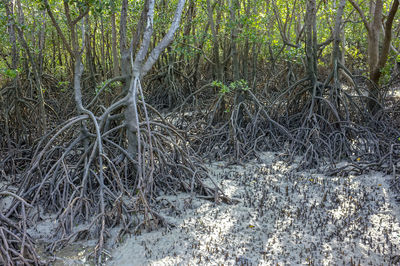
59 31
81 15
166 40
362 15
146 40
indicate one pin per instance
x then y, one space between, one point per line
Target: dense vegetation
104 104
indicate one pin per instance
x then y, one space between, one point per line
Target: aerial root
322 122
16 247
72 177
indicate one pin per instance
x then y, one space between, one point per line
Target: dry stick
68 180
120 103
329 103
214 111
123 125
56 129
101 183
24 231
75 234
168 128
106 189
341 66
353 166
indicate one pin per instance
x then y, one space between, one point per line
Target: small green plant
236 85
109 87
63 85
99 86
225 90
386 73
11 73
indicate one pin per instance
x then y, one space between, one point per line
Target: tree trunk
90 61
140 67
35 70
377 58
311 41
217 70
311 53
14 65
114 45
42 38
235 59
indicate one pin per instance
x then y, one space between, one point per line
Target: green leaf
11 73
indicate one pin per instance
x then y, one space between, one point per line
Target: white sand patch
282 216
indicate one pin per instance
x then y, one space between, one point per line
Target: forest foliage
104 104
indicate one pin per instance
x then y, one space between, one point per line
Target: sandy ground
281 217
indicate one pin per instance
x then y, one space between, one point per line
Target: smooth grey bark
140 67
126 69
131 113
76 50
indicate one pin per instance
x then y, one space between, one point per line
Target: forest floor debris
280 216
